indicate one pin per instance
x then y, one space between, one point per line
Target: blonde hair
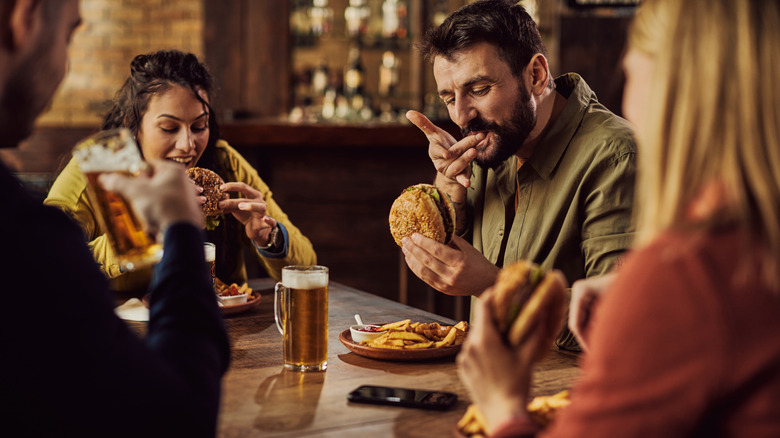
714 116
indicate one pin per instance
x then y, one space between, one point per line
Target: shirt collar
552 146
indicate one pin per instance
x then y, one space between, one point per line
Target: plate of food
408 341
232 299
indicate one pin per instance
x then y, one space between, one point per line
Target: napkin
133 310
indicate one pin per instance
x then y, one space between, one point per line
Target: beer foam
310 279
210 251
98 158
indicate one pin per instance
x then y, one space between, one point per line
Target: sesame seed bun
422 209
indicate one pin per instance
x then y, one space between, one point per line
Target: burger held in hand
525 294
210 182
422 209
526 301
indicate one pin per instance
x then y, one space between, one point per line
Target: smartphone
413 398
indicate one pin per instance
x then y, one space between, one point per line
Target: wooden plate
253 301
391 354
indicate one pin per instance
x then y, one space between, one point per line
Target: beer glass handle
277 316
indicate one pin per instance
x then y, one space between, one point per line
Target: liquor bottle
354 83
354 74
441 10
388 74
320 78
356 16
394 19
299 19
321 17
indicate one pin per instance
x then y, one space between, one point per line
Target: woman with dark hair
165 103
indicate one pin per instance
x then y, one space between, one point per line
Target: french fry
398 325
418 345
473 423
408 336
449 339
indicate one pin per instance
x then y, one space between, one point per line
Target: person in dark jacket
70 366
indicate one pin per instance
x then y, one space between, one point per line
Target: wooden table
260 398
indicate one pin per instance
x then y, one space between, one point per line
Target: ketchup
370 329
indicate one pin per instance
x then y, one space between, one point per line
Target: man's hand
160 199
251 210
496 376
455 269
451 158
585 295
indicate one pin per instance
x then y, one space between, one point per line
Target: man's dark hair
502 23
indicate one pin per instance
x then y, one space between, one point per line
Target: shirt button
500 232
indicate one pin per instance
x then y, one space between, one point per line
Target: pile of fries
472 424
542 409
231 290
545 408
406 335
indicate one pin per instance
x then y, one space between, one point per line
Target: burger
525 294
422 209
210 182
525 297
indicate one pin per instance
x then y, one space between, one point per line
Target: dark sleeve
185 325
72 367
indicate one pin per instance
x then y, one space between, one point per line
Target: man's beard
509 136
25 96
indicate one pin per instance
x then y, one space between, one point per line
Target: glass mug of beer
116 151
210 252
301 312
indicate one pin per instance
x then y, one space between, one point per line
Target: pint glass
301 311
210 252
108 152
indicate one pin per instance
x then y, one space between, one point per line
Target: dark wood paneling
593 47
246 46
222 44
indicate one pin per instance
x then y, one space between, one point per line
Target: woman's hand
585 295
496 375
251 210
162 197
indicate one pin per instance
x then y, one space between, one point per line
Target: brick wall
114 31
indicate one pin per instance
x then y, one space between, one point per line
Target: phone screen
416 398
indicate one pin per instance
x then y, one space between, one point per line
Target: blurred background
313 93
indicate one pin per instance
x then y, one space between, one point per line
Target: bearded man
543 172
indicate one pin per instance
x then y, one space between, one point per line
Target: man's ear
539 71
24 22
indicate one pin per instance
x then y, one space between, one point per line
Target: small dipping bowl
232 300
365 332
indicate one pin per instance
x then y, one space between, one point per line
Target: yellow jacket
69 193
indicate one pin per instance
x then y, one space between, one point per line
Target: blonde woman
685 340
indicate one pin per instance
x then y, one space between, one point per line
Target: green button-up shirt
575 193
